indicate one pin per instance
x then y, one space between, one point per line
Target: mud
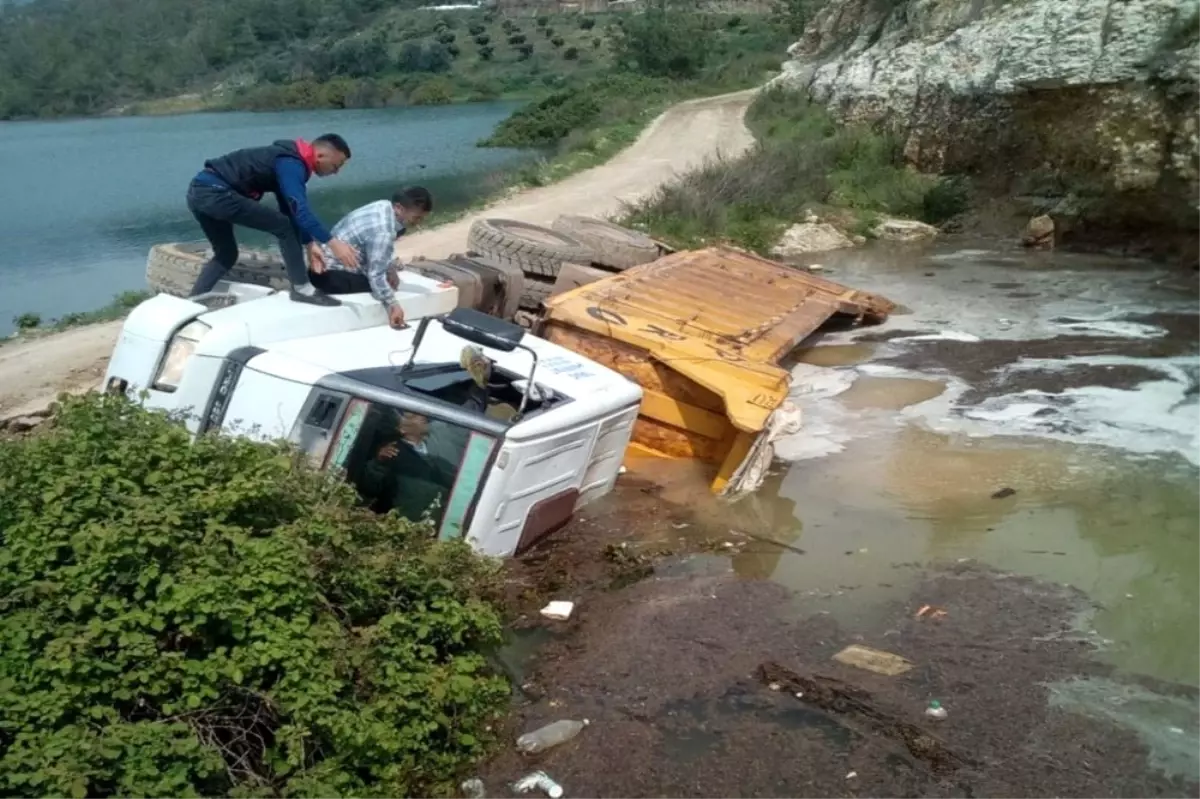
669 670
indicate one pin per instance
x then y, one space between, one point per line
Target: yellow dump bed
704 333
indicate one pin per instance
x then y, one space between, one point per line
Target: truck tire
535 292
533 249
612 246
173 268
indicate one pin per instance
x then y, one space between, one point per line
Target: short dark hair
414 197
335 141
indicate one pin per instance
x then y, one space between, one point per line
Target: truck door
400 456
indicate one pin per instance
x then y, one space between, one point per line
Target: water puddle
1052 431
890 393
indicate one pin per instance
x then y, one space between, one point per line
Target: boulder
1039 233
904 230
1096 98
810 237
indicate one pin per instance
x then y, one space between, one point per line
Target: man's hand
396 316
316 259
347 255
388 451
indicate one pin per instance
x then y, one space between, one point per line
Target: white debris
559 610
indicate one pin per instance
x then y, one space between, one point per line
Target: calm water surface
82 201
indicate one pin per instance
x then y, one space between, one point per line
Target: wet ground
1018 449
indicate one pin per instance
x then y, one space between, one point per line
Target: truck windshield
416 465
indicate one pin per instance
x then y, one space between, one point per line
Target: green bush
587 23
662 42
557 41
435 91
27 321
543 21
482 39
949 197
475 29
446 37
485 53
516 39
215 618
571 53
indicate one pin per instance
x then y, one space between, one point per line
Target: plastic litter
559 610
875 660
935 710
554 734
539 781
473 788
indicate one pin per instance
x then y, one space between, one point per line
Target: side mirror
486 331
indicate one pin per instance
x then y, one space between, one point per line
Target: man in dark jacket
227 191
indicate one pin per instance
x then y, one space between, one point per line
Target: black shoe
316 298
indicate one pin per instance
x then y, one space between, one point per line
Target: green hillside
88 57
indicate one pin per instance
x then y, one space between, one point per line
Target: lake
82 201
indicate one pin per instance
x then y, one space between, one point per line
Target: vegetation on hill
803 160
86 57
217 619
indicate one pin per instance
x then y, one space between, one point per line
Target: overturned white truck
393 410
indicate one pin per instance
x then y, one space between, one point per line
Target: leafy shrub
215 618
27 321
571 53
557 41
509 26
525 51
446 37
734 22
482 39
543 21
587 23
435 91
475 29
516 39
547 32
948 198
453 50
424 57
485 53
663 43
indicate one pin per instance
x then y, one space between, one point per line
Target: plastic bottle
935 710
551 735
541 781
473 788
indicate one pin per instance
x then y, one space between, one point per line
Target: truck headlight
182 345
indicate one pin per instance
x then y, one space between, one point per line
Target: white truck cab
393 410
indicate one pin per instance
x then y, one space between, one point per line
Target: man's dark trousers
339 281
218 209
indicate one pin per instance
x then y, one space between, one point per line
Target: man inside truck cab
227 193
412 471
372 231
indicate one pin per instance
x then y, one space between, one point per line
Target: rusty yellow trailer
705 333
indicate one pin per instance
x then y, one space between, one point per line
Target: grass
803 160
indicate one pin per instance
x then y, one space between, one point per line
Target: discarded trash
681 525
622 470
931 611
774 686
875 660
538 781
852 775
551 735
473 788
935 710
559 610
1004 492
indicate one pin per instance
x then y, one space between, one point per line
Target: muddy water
1034 413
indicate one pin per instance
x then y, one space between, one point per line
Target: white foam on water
1156 416
825 426
945 335
1114 328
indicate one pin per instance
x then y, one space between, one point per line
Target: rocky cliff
1086 109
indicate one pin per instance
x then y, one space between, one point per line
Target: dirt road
682 139
33 372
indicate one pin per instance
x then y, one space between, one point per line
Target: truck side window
410 463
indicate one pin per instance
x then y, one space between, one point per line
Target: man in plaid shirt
372 231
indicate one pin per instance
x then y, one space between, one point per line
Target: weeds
803 159
117 308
